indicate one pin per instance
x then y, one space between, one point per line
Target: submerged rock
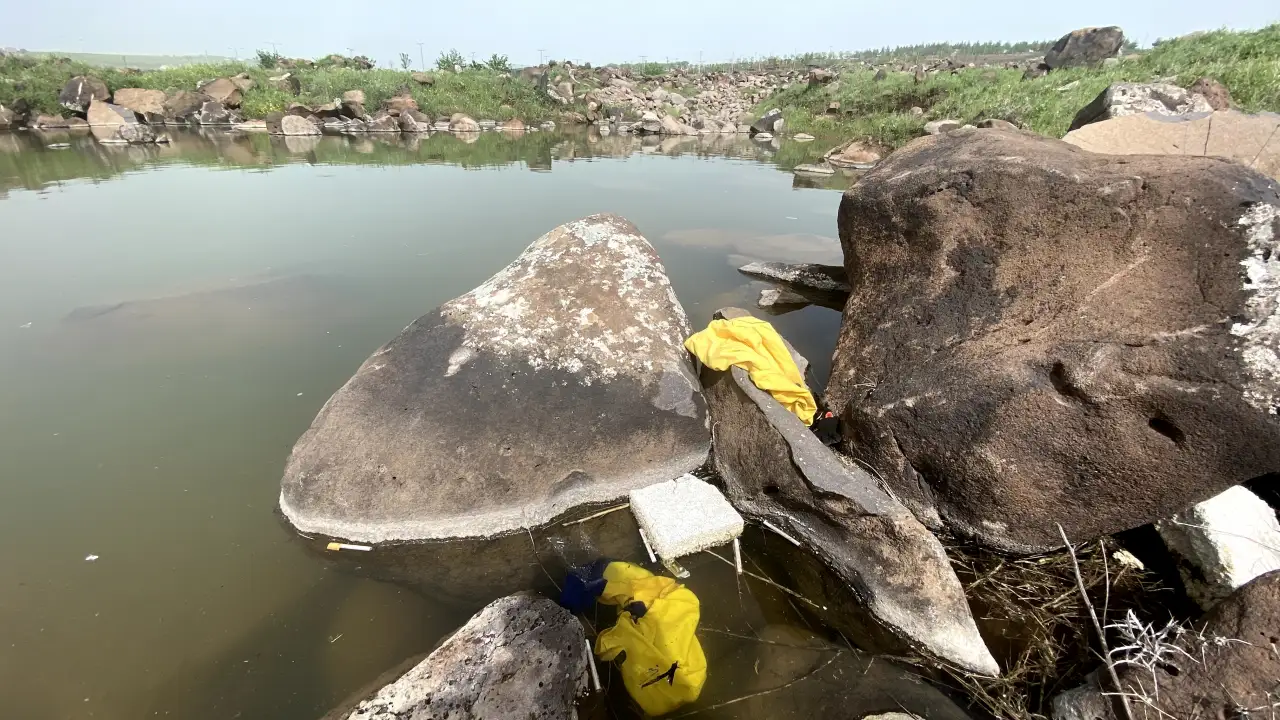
462 123
1041 335
773 297
560 381
776 469
1223 543
801 276
1121 99
521 656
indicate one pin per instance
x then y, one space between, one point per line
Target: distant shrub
268 60
498 63
449 60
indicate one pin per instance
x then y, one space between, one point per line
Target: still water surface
172 318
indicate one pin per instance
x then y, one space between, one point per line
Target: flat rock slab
521 656
1122 99
1253 140
800 276
560 381
1043 335
776 469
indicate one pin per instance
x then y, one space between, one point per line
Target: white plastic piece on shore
345 546
647 547
785 536
90 558
591 658
737 555
684 516
676 569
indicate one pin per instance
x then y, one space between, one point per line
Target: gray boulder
937 127
780 296
382 121
1121 99
771 122
412 121
801 276
560 381
287 83
462 123
896 572
215 113
294 125
521 656
649 123
1086 47
105 114
183 106
1041 335
223 90
82 90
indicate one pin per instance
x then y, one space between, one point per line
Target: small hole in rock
771 490
1167 429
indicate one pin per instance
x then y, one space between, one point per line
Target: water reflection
60 155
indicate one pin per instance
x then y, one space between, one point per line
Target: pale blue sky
593 31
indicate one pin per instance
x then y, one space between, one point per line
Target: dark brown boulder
82 90
395 105
903 593
1039 334
1226 666
1086 47
1214 92
224 90
184 106
577 346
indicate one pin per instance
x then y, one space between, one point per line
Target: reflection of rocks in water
467 572
739 245
216 319
678 144
364 145
301 144
468 138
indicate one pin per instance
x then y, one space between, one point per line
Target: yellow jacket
664 667
756 347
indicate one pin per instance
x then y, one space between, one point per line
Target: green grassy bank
480 92
1248 63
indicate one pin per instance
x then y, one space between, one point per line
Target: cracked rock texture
520 657
560 381
1039 334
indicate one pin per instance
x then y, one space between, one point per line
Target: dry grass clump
1036 624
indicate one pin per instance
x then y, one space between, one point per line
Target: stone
253 126
243 82
880 76
287 83
762 136
1086 47
1223 667
224 91
184 106
916 111
1121 99
802 137
833 107
383 121
1252 140
778 296
8 118
800 276
352 110
814 169
1223 543
294 125
214 113
582 327
463 123
768 123
1038 70
565 90
775 469
105 114
412 121
82 90
997 123
649 123
853 154
670 125
395 105
521 656
147 103
423 78
513 125
676 100
353 96
1006 284
937 127
1214 93
823 76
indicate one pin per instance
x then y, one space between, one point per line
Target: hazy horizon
583 31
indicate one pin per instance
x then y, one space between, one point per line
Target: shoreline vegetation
883 98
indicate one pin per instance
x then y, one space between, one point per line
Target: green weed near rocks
1248 63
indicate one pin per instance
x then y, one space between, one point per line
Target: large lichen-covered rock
520 657
1122 99
82 90
1085 47
562 380
776 469
1042 335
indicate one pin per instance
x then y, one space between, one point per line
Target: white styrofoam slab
684 516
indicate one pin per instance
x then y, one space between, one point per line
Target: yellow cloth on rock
664 667
753 345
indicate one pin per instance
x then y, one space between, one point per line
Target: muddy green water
171 319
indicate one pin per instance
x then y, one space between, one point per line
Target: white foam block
684 516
